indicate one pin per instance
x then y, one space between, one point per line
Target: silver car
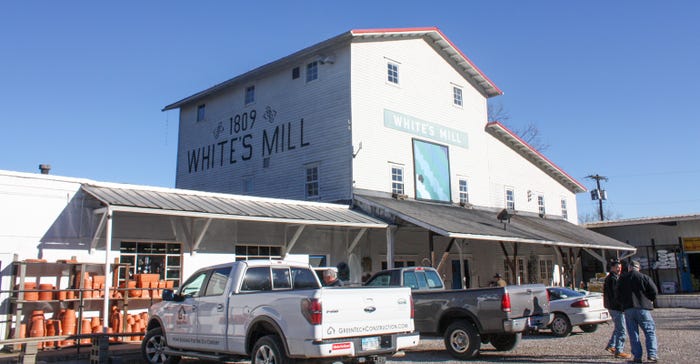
575 308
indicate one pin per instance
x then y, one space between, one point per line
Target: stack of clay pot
30 293
68 326
46 291
53 328
98 285
116 322
37 325
87 285
136 323
145 281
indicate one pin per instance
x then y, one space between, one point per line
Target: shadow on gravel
439 356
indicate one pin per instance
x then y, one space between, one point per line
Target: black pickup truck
466 318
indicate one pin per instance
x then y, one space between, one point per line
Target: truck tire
462 340
561 327
152 348
506 342
589 327
269 350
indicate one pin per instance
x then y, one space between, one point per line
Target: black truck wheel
152 348
462 340
269 350
561 326
505 342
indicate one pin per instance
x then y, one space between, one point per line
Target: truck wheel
506 342
152 348
561 326
589 327
269 350
462 340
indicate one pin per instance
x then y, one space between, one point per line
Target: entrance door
457 277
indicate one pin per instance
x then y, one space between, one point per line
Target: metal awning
482 224
187 203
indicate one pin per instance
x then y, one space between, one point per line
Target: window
510 198
312 182
246 252
564 210
249 95
457 95
200 112
393 72
397 180
295 73
512 279
400 264
257 279
303 278
463 192
281 278
311 71
546 271
160 258
248 185
192 287
540 204
217 282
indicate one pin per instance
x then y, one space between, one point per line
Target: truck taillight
412 308
505 302
580 304
311 309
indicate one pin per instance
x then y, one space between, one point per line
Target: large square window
432 171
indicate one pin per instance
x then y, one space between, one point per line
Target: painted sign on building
691 244
425 129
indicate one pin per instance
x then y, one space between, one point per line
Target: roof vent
44 168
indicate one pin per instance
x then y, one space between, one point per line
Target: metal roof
177 202
432 35
643 221
482 224
507 137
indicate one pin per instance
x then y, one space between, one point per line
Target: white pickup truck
276 312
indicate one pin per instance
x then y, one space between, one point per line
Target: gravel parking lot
678 332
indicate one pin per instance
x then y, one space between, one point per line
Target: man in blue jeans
636 293
616 343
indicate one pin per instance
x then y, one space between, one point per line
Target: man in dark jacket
636 293
616 343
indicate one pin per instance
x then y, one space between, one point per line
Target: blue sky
612 85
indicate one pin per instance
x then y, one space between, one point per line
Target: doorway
457 277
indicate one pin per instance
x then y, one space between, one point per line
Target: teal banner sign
425 129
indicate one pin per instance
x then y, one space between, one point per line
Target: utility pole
599 194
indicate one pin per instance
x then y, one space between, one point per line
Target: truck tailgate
365 311
528 300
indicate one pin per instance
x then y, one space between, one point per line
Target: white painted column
390 241
108 270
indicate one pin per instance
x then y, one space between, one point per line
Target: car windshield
559 293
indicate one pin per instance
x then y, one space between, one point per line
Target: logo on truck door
181 315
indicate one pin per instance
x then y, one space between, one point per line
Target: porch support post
390 241
108 271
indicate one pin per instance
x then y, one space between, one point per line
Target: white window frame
398 186
545 275
311 71
541 205
249 95
392 72
510 198
463 192
311 186
457 96
170 253
564 209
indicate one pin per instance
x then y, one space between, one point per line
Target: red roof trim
429 29
540 155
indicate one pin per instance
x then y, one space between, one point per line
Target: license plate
370 343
